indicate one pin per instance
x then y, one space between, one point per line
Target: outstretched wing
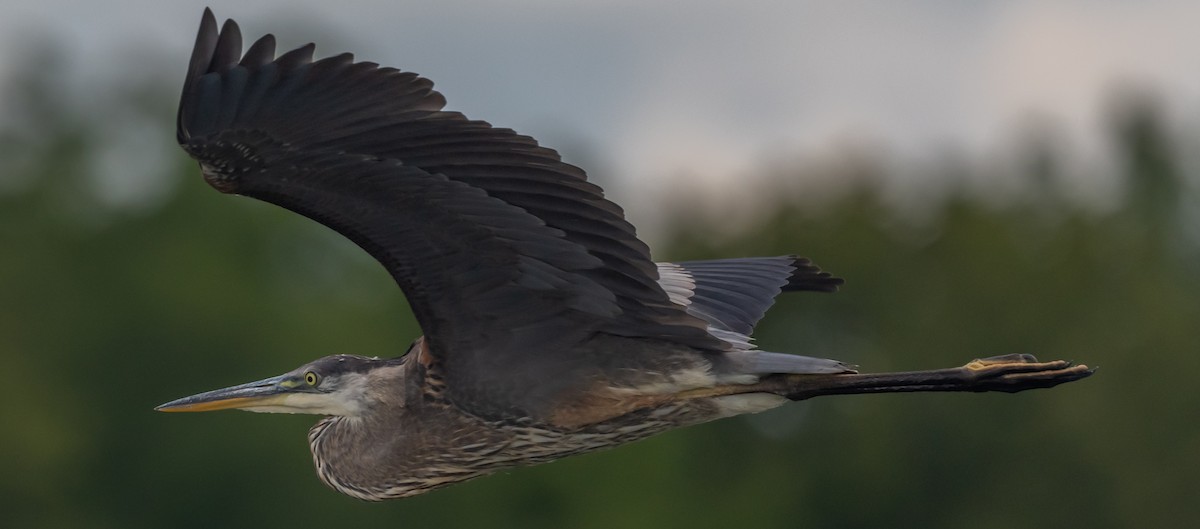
506 254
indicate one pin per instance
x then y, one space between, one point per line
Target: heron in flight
549 331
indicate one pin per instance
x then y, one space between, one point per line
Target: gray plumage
548 330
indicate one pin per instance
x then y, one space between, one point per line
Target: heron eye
310 378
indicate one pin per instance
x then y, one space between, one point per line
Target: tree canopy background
126 282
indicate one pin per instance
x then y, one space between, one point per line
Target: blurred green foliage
114 299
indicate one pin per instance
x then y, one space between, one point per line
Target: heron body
440 445
549 331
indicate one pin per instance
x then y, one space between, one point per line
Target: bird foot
1018 372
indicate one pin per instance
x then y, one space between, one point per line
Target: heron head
333 385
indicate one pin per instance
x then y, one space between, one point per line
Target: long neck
355 457
399 446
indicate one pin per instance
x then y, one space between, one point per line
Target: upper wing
506 254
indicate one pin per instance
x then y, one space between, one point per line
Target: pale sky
644 90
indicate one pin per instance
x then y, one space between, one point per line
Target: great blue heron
548 329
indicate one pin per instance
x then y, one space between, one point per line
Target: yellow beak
261 393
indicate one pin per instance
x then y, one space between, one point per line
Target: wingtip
206 44
230 25
260 53
228 48
806 275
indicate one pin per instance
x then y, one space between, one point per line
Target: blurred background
989 177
